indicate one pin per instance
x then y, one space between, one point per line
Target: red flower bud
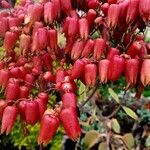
144 9
66 6
112 52
52 39
90 73
83 28
44 97
88 49
48 76
113 15
8 119
4 77
14 22
24 92
131 70
13 85
37 25
48 127
32 112
116 67
77 49
69 100
10 40
57 6
92 4
49 12
145 72
99 47
70 123
132 11
105 8
103 67
77 69
4 27
29 80
60 75
112 1
21 109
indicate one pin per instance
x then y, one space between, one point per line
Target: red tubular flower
131 71
144 9
113 15
29 80
15 72
69 100
3 104
116 68
90 73
69 119
93 4
36 26
44 97
132 11
48 77
77 69
60 75
52 39
49 13
32 112
48 127
24 92
4 77
145 72
4 26
14 22
105 8
10 40
57 7
112 52
9 118
77 49
21 109
88 48
99 47
91 15
13 85
66 6
103 67
83 28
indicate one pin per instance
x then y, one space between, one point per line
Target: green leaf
130 112
91 138
113 95
147 143
115 125
102 146
129 140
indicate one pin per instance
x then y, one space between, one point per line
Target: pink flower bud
83 28
49 12
36 26
88 49
103 67
105 8
145 72
90 73
66 6
131 70
116 68
4 26
24 92
4 77
5 4
99 47
113 15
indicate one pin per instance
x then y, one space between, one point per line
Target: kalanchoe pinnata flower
32 112
66 6
48 127
113 15
93 4
99 48
103 67
57 7
77 69
77 49
131 71
144 9
90 73
69 119
69 100
23 92
4 26
112 52
116 68
8 119
145 72
105 8
3 104
88 48
132 11
4 77
83 28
